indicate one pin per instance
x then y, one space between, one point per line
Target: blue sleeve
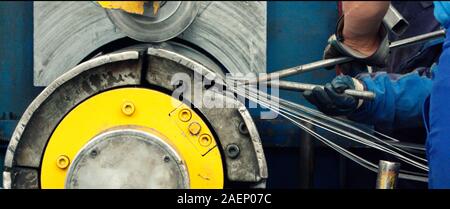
398 102
438 141
442 12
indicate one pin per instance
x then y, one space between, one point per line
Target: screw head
62 161
205 140
232 151
243 128
128 108
194 128
185 115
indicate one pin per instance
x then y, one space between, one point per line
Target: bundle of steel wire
310 120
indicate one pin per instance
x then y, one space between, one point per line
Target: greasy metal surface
63 29
44 113
127 158
250 165
172 19
21 178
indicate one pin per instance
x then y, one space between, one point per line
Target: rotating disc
171 20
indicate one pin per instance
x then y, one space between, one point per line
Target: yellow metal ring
150 109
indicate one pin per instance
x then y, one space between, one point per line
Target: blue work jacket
419 98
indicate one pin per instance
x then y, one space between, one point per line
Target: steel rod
289 85
387 174
336 61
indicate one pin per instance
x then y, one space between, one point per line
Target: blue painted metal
16 59
16 65
297 33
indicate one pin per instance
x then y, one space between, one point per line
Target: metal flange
123 69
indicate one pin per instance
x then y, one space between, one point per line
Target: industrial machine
106 118
90 96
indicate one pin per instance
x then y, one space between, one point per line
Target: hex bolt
128 108
205 140
185 115
233 151
243 128
194 128
62 161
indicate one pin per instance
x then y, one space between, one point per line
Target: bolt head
205 140
185 115
62 161
194 128
128 108
232 151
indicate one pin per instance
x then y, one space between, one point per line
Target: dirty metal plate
127 159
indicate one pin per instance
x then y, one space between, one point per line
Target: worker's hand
368 51
332 100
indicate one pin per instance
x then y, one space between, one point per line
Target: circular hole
93 153
243 128
205 140
128 108
166 159
62 161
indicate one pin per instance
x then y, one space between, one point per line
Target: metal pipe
288 85
417 39
306 158
336 61
387 174
395 21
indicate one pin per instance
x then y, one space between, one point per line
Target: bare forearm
362 20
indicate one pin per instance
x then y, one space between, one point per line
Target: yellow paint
153 110
135 7
182 117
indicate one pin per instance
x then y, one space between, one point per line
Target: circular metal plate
171 20
127 158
